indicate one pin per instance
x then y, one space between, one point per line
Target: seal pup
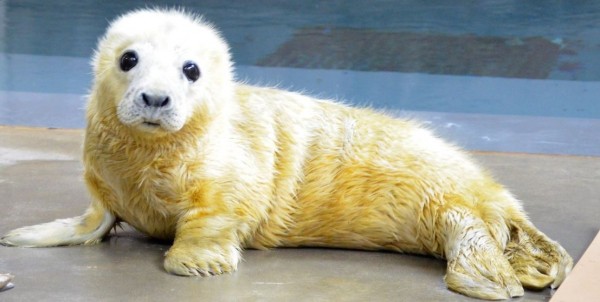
179 150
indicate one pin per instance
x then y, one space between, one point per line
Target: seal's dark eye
128 60
191 71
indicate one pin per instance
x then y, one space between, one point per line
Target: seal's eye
191 71
128 60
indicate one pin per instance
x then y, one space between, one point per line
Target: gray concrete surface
40 180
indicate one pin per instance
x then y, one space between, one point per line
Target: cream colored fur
231 166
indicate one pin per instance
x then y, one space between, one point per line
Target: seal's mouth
151 124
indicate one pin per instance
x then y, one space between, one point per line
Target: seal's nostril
155 100
146 100
165 102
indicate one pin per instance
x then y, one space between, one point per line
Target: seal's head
155 69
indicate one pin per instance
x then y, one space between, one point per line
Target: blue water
45 48
70 28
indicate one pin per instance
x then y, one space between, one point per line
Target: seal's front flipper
88 228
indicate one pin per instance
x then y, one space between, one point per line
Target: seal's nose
157 101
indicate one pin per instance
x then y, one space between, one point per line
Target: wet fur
253 167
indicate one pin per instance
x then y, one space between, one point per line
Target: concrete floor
40 180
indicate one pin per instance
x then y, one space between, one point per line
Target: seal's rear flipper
538 261
476 264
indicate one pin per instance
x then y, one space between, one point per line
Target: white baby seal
179 150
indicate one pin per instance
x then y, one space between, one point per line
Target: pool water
498 75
